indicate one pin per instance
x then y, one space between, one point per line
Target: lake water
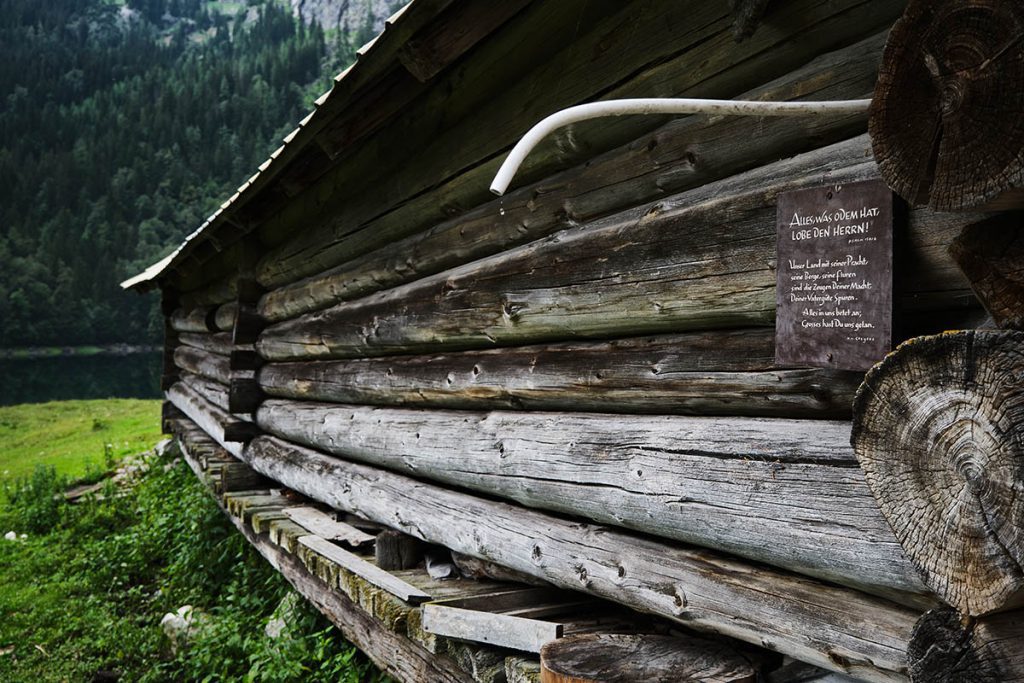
57 378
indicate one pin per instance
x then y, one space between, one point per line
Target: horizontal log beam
209 365
218 343
715 373
212 419
784 492
684 153
194 319
837 628
693 261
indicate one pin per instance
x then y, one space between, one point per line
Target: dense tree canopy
122 125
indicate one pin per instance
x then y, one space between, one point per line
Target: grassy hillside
74 436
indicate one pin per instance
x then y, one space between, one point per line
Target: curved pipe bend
595 110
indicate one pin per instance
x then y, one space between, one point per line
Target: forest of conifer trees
124 124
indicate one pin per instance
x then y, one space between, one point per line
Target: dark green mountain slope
122 125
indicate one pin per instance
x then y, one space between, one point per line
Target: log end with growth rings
945 121
938 429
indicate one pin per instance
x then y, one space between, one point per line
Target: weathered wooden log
214 294
836 628
218 343
395 550
212 419
945 648
660 267
939 431
944 120
611 658
214 392
194 319
684 153
721 372
475 568
224 316
210 365
991 254
695 55
785 492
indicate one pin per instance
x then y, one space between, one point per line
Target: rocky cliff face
356 14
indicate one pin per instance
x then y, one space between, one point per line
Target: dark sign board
834 276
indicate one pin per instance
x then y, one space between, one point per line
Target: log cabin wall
576 380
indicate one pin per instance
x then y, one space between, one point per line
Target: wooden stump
945 122
607 658
939 430
991 255
944 649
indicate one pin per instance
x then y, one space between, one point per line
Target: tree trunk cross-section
945 121
608 658
939 431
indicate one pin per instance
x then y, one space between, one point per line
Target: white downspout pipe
595 110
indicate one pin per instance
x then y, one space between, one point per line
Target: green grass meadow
75 437
84 586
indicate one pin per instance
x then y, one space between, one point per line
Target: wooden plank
720 372
677 271
361 567
836 628
786 492
680 155
325 527
687 50
501 630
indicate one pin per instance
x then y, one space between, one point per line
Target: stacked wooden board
576 382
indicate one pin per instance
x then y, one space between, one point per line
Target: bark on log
218 343
684 153
785 492
209 365
661 267
610 658
945 649
945 117
717 373
194 319
836 628
939 431
991 254
687 49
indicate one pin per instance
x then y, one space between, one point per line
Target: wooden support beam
326 527
394 550
366 570
955 68
786 492
938 429
199 319
712 373
833 627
